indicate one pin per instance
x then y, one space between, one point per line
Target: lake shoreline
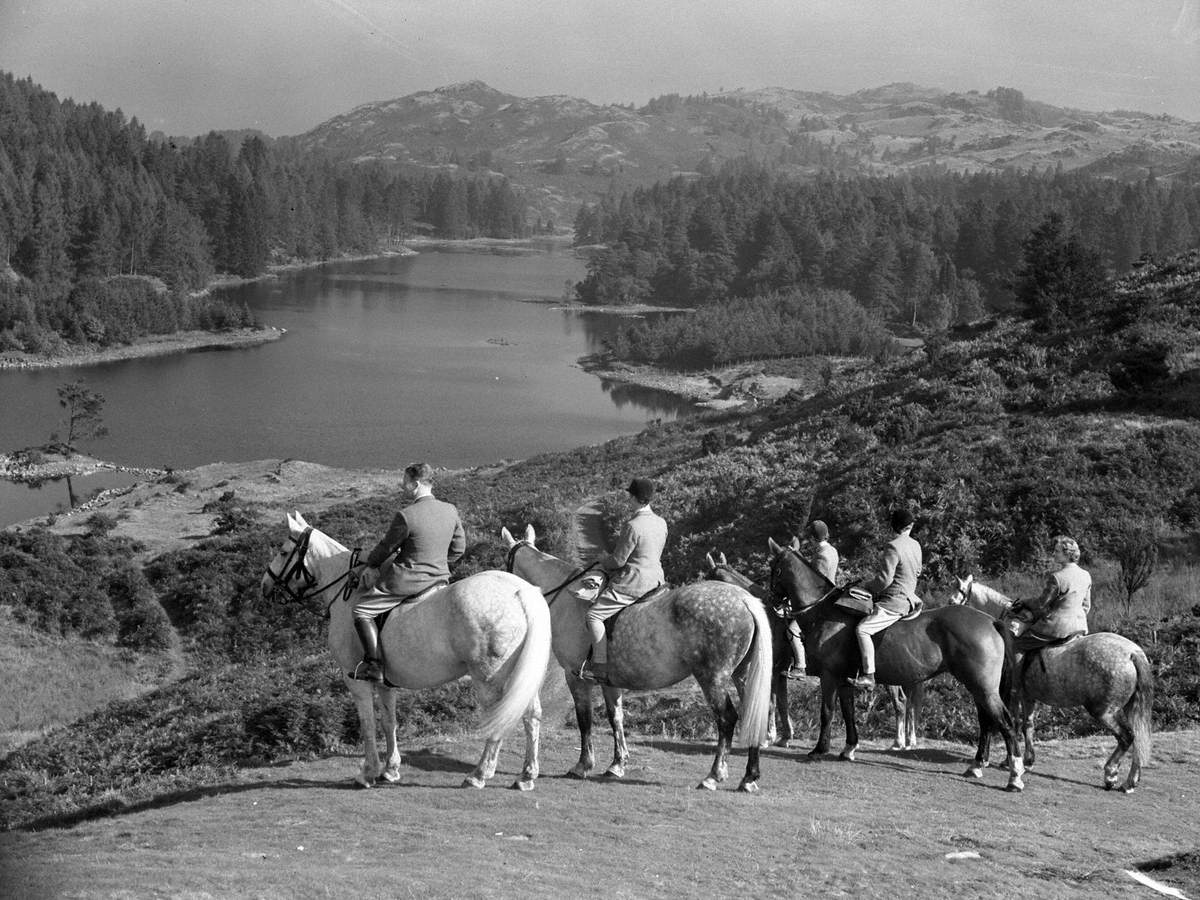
151 345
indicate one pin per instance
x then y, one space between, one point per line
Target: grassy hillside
999 435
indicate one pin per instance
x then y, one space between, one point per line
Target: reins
294 566
550 595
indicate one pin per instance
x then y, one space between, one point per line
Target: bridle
294 567
551 595
964 594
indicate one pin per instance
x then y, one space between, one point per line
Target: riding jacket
636 561
427 537
1062 608
894 584
825 560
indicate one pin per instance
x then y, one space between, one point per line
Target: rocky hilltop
565 149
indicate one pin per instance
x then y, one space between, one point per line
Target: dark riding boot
369 669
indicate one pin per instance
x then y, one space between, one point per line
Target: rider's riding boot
594 669
369 669
797 668
865 680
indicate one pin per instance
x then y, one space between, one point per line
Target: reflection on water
662 404
20 502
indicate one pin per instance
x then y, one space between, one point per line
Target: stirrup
368 670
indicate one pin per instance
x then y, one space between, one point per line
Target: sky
186 67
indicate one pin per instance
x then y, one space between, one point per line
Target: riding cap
901 519
642 489
818 529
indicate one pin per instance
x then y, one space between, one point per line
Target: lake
451 357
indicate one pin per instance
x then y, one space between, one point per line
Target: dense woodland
920 251
86 196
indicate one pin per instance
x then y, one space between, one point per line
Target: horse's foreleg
900 710
781 719
726 718
581 694
828 691
532 720
616 720
845 695
912 715
363 693
387 702
1028 723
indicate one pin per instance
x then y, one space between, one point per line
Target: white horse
1105 673
716 633
492 626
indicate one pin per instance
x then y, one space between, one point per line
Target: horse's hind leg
487 695
726 718
781 730
616 720
900 710
749 784
912 715
1114 721
532 720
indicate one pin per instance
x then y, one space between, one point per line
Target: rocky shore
153 345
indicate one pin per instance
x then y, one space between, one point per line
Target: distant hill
564 149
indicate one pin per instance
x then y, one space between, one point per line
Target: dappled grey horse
715 632
1105 673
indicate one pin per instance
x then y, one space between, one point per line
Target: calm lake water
438 356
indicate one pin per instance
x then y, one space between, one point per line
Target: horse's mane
812 568
991 595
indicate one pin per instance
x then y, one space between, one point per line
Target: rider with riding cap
824 558
427 537
894 589
635 565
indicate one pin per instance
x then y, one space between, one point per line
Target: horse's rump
1079 672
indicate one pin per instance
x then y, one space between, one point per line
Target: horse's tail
1137 710
756 701
528 672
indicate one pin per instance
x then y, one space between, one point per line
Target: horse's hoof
614 772
1128 789
708 784
785 743
520 785
1015 787
748 787
847 755
578 774
817 752
974 772
390 777
472 782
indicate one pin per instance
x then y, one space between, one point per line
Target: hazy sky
284 66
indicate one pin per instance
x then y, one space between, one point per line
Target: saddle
654 594
1036 652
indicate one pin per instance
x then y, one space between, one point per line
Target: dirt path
887 826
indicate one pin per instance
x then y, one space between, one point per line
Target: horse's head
292 571
793 578
513 545
962 594
550 573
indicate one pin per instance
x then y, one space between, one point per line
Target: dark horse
964 642
906 700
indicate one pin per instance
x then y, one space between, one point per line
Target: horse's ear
721 557
773 547
708 558
300 521
508 538
795 544
293 524
530 534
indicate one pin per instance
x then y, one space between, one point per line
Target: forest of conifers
86 196
925 251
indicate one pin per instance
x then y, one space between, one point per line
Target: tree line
924 250
86 196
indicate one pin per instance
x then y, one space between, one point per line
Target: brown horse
906 701
717 633
1105 673
964 642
